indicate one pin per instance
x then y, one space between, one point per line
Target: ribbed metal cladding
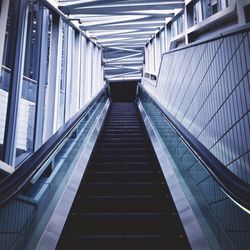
206 87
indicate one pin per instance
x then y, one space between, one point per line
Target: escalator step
122 176
125 242
123 201
128 188
121 223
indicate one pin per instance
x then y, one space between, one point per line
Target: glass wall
203 9
27 103
197 13
177 26
40 72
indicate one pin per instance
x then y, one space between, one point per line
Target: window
214 6
177 26
247 11
174 29
197 12
211 7
180 24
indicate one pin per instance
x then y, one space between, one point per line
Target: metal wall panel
207 88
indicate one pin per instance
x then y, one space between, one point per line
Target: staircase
123 201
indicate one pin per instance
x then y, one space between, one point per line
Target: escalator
100 183
123 201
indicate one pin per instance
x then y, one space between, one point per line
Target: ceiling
122 28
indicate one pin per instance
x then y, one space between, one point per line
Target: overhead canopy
122 28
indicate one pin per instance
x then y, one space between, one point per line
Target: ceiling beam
87 3
135 34
123 8
89 21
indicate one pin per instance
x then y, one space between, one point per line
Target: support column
54 77
41 81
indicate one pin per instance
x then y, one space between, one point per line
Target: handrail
234 187
14 183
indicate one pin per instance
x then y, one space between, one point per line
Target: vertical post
102 68
82 71
100 82
54 77
240 10
88 71
68 77
41 80
168 36
185 23
64 73
94 69
91 62
75 76
146 58
155 53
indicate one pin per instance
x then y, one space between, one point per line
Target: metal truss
122 28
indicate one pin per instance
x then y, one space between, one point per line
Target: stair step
123 166
128 188
123 135
123 176
124 131
125 242
122 145
122 126
122 203
121 223
122 140
122 157
125 151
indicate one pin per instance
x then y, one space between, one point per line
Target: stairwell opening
123 91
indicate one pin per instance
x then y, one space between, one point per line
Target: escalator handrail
14 183
234 187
